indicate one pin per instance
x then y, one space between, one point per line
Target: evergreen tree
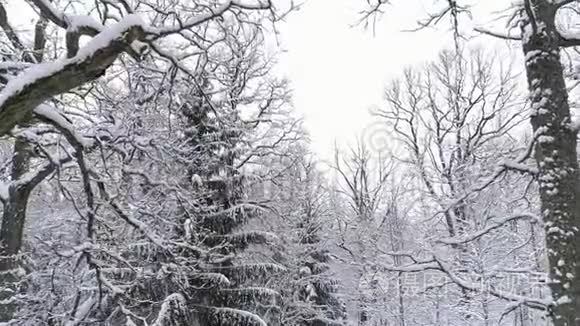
214 142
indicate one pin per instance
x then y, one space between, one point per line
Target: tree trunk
556 157
13 218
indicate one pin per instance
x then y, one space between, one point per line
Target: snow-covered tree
310 291
543 29
98 125
360 190
454 120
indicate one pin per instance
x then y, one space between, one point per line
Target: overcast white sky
338 71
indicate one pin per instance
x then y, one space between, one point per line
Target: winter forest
155 171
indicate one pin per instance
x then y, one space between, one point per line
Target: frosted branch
40 82
480 233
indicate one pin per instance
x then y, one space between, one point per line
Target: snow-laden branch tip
233 314
173 304
37 84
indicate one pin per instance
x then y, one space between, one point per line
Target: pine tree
214 141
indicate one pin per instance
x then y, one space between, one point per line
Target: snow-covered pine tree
195 169
194 186
214 141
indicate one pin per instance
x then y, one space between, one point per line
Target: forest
154 171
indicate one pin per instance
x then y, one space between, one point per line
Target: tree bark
556 157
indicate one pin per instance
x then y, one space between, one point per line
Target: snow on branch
438 264
134 222
569 38
477 287
480 233
70 134
81 248
244 238
81 23
55 117
413 268
84 24
6 66
81 312
211 14
33 177
502 35
12 35
172 311
37 84
255 291
520 167
147 178
234 317
561 3
247 272
499 171
213 279
51 12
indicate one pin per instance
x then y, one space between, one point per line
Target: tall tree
452 119
361 184
311 292
555 135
